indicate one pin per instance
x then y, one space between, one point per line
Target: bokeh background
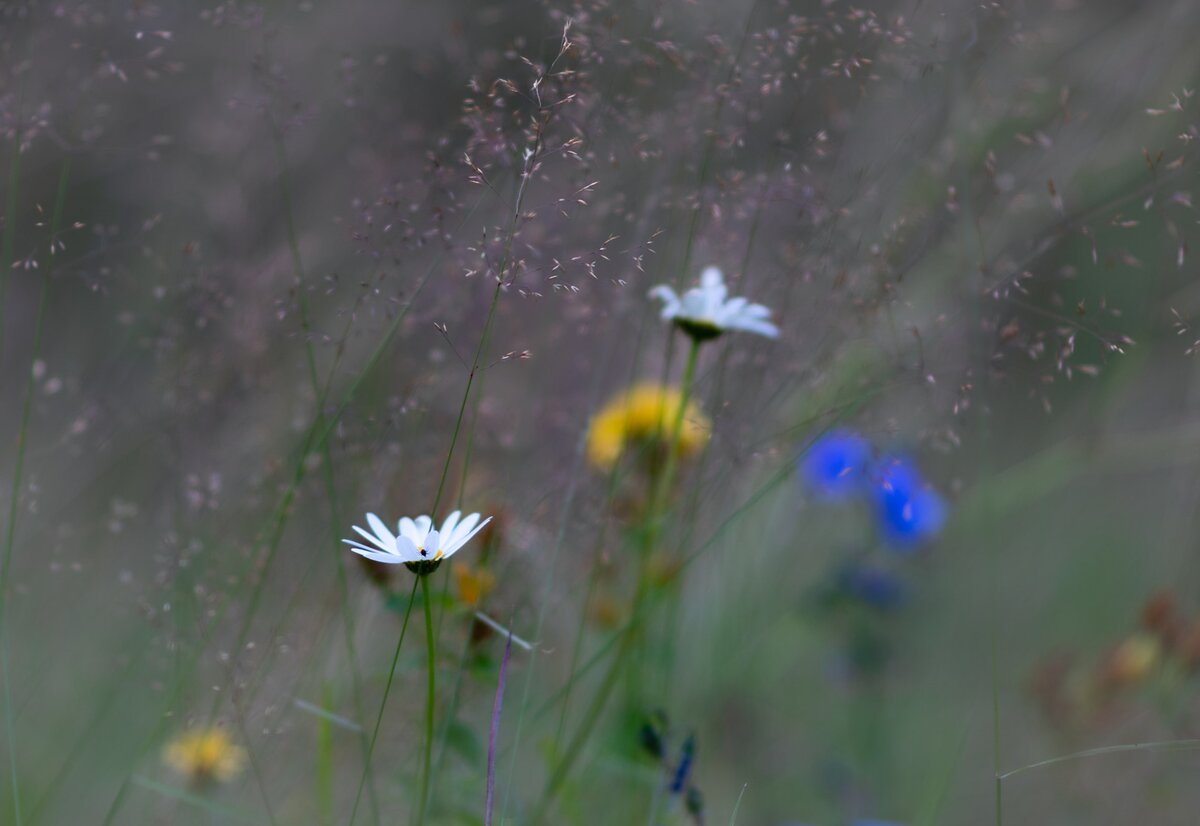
250 252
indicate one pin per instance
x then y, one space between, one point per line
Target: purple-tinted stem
491 766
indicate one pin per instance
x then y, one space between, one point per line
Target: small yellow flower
1132 661
644 414
204 754
472 584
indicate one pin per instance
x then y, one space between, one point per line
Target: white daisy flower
703 312
417 545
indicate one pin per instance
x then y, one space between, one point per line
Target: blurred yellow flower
472 584
644 413
605 611
204 754
1132 660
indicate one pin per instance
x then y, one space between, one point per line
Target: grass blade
491 758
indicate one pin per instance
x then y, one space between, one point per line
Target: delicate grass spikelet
472 584
644 416
205 754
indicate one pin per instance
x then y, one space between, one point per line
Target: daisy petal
378 542
712 278
695 306
670 301
462 529
763 328
449 525
452 548
361 546
406 551
390 559
732 310
377 525
408 529
708 305
417 540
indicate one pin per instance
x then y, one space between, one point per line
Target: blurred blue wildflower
908 510
686 755
835 466
873 585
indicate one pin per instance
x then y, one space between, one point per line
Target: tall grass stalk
689 247
528 165
506 259
9 238
114 692
323 437
387 689
559 539
1103 751
318 434
9 724
674 598
737 805
658 504
711 144
494 731
576 651
612 485
623 637
22 443
324 762
531 159
319 392
653 523
973 240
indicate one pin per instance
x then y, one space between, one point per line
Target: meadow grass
922 558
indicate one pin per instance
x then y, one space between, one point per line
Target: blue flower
909 512
873 585
686 754
835 465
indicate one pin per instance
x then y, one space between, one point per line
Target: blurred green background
232 233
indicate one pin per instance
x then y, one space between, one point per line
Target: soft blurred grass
186 391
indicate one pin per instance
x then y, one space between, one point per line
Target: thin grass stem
382 705
629 637
22 444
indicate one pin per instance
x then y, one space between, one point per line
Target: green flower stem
662 489
9 238
382 705
22 439
429 647
654 518
590 718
